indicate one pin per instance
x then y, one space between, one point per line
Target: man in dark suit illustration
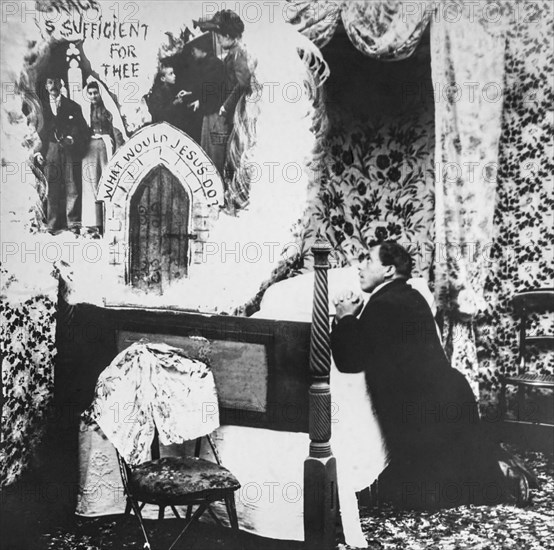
438 454
208 89
64 136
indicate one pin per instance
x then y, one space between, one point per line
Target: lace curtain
387 29
318 21
467 56
468 77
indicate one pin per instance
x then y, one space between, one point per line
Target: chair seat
544 380
181 480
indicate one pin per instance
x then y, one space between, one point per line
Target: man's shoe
523 497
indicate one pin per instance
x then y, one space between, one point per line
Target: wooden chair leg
138 513
502 401
232 511
175 512
197 513
213 516
233 519
521 403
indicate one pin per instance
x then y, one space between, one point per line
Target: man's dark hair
56 79
228 23
392 253
93 85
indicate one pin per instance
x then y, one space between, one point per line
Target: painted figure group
205 109
75 149
77 145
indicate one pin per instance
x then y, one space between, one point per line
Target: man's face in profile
371 271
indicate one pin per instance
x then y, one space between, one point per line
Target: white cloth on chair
150 386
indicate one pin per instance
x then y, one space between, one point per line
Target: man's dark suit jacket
69 121
208 84
426 409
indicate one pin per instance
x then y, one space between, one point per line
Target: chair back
525 304
534 301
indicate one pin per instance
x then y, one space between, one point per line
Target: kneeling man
437 453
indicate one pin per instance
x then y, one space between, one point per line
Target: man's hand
195 105
39 159
68 140
222 111
348 303
181 96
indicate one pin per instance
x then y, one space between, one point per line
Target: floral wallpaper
27 348
379 176
522 250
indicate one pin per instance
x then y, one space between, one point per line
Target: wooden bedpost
320 469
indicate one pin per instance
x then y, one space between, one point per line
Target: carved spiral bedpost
320 471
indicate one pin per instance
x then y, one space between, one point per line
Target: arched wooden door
159 231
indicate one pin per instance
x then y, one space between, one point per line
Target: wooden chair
179 481
525 304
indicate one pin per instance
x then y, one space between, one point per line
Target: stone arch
157 145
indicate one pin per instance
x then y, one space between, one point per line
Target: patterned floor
476 528
31 521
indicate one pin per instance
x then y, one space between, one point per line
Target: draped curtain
467 55
388 29
318 21
468 76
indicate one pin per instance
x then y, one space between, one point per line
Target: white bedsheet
356 440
